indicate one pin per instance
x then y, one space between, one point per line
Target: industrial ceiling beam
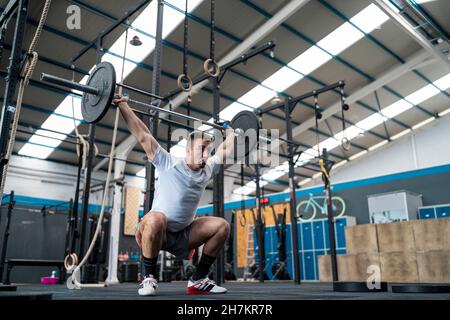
413 33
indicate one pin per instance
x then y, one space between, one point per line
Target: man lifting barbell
169 225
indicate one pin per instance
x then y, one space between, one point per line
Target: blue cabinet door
326 230
256 246
318 235
338 251
301 266
427 213
288 240
443 212
299 236
271 259
267 240
308 258
289 266
340 232
306 236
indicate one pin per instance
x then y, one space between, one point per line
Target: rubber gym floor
236 291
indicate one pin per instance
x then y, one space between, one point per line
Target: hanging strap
169 130
345 143
325 174
186 39
184 82
212 47
318 115
210 66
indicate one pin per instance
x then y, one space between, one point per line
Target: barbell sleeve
69 84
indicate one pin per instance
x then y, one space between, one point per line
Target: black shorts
177 243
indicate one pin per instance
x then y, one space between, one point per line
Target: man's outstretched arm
226 148
137 128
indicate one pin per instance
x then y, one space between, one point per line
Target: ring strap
213 32
184 78
186 39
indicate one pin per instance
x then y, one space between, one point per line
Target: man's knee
153 224
223 229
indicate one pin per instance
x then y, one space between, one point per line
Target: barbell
99 91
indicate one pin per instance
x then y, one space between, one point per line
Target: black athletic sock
149 265
203 267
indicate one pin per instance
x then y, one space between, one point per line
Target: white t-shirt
178 188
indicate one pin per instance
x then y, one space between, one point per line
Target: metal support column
152 123
6 235
76 205
292 187
218 192
259 225
330 217
12 79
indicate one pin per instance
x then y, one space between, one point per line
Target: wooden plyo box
399 267
324 266
351 267
434 266
361 239
432 234
396 237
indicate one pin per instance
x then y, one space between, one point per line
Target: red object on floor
49 280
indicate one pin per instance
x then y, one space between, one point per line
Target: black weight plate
94 107
349 286
248 123
421 288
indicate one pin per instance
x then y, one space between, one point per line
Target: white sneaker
204 286
148 286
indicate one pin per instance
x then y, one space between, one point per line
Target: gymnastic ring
184 82
70 267
345 143
211 68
